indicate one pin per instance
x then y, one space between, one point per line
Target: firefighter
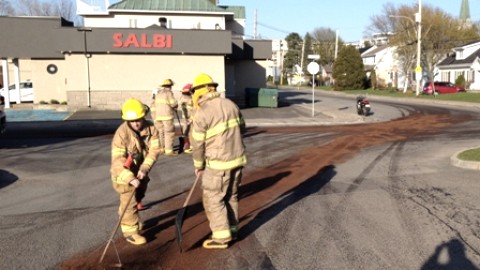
185 102
163 115
218 157
135 149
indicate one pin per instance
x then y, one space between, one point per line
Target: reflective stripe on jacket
164 105
145 148
217 134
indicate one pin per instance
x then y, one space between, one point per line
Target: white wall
193 21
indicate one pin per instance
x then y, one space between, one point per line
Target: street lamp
87 56
418 22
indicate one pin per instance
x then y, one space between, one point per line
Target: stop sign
313 68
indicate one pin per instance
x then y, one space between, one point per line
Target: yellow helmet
167 82
203 80
133 109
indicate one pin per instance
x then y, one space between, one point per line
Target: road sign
418 69
313 68
313 56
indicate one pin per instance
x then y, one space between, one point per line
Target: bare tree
62 8
6 8
440 33
324 44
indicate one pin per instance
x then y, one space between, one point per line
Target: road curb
466 164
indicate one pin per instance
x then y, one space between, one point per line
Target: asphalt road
396 205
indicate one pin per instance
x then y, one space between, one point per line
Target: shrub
460 80
43 102
54 101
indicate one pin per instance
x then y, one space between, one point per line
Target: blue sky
277 18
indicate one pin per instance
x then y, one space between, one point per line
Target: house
464 60
383 59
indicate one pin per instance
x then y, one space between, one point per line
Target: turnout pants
220 200
131 219
167 134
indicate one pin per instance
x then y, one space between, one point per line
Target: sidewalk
284 115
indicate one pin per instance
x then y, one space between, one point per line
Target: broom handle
116 227
191 191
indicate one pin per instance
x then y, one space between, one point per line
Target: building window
52 69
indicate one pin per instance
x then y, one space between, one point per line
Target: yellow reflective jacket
164 105
217 134
145 148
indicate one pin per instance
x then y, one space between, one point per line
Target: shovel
181 214
181 139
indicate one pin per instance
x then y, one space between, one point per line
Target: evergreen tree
307 49
348 70
294 53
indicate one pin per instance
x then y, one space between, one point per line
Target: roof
374 51
178 5
450 60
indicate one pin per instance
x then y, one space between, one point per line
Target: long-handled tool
181 138
110 240
181 214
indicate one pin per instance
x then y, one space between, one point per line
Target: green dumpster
268 97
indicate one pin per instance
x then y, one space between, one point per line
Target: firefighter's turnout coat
144 147
217 134
163 113
186 104
218 149
164 105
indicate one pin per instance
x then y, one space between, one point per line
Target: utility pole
255 25
336 45
303 55
418 69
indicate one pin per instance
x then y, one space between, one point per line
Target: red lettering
131 40
162 41
145 43
169 41
157 41
117 40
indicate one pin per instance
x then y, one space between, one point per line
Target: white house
464 60
382 59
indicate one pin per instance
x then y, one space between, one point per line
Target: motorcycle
363 106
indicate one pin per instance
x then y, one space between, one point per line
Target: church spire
465 12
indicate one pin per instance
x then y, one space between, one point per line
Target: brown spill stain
259 190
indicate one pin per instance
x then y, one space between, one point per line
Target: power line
273 28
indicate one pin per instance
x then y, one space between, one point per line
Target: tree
324 44
307 49
6 8
348 70
440 33
62 8
294 53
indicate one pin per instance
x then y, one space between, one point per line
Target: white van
26 92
